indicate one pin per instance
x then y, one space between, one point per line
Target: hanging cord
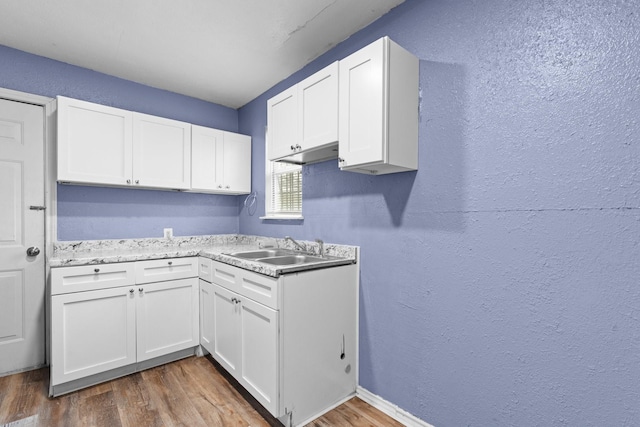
250 203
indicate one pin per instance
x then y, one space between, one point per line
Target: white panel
91 332
11 305
259 352
282 120
237 157
260 288
96 135
225 275
11 197
365 113
91 277
166 269
319 108
165 320
162 152
206 316
10 132
226 321
205 268
94 324
204 157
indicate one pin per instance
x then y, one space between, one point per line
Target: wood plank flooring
190 392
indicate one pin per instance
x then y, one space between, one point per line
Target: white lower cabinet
166 317
92 332
289 341
97 335
245 337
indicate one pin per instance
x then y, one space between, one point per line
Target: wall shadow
432 197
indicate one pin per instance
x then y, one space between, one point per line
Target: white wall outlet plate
168 233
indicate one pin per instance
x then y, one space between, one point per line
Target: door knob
33 251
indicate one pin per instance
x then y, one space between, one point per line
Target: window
283 182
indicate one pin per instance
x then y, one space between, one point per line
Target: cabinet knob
293 148
298 147
128 181
130 291
220 186
137 181
227 187
140 290
96 270
170 262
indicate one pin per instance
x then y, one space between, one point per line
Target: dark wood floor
190 392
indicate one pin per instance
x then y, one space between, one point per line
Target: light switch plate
168 233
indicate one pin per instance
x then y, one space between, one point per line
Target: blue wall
107 213
500 282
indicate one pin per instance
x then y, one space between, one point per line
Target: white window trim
269 214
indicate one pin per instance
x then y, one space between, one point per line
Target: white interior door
22 276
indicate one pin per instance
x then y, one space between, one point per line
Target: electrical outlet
168 233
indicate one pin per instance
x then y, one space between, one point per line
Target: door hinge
37 208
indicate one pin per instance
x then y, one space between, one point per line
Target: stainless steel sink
265 253
291 260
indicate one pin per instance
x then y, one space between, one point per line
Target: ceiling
223 51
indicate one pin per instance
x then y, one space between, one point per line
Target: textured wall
99 213
500 282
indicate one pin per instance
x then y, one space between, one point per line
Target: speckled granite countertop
215 247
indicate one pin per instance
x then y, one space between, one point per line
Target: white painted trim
390 409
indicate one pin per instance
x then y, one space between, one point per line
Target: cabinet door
282 123
220 161
206 158
237 163
161 152
318 108
206 316
167 317
362 125
92 332
226 329
94 143
259 352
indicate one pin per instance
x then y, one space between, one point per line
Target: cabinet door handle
298 147
131 291
140 290
128 181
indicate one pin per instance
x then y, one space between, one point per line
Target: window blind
286 188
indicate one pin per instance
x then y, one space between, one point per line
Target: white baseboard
390 409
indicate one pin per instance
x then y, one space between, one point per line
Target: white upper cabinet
378 125
161 152
282 123
100 145
303 120
94 143
220 161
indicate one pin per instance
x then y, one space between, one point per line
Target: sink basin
265 253
290 259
